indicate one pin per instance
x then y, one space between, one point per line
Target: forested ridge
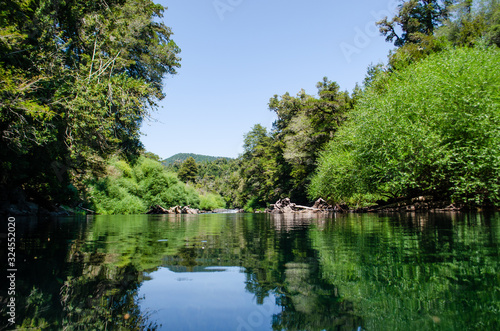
178 158
78 78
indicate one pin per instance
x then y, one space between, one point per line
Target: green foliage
181 157
188 170
213 169
305 123
415 18
76 80
413 52
252 205
211 201
278 164
473 23
259 169
221 176
216 175
133 189
435 131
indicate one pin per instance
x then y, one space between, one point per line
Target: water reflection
206 298
415 271
260 272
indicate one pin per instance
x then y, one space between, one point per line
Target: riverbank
421 203
159 210
16 203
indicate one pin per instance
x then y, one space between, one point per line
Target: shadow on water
259 272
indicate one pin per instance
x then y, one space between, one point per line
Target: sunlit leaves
435 131
127 189
77 78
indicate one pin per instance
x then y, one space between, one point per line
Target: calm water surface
258 272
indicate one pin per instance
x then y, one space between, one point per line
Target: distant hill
181 157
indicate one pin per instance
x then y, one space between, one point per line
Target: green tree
435 131
188 170
414 19
305 124
77 78
473 22
279 163
259 169
461 23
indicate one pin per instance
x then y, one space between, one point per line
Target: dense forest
178 158
424 124
78 78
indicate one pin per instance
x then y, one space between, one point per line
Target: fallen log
157 210
87 210
284 206
308 208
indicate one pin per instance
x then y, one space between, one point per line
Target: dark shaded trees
77 78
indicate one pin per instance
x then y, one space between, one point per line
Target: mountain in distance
181 157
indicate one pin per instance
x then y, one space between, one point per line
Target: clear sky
237 54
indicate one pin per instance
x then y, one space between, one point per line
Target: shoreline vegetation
283 206
422 131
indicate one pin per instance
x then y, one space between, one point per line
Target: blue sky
237 54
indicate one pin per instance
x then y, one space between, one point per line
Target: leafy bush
133 189
181 194
109 197
252 205
435 131
211 201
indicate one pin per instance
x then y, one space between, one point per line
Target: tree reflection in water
333 273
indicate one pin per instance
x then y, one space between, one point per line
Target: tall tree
77 78
259 168
305 124
415 18
473 21
188 170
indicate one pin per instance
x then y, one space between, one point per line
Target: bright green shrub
435 130
211 201
132 190
182 195
109 197
124 168
147 168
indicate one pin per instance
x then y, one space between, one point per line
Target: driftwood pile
285 206
173 210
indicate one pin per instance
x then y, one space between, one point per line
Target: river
427 271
